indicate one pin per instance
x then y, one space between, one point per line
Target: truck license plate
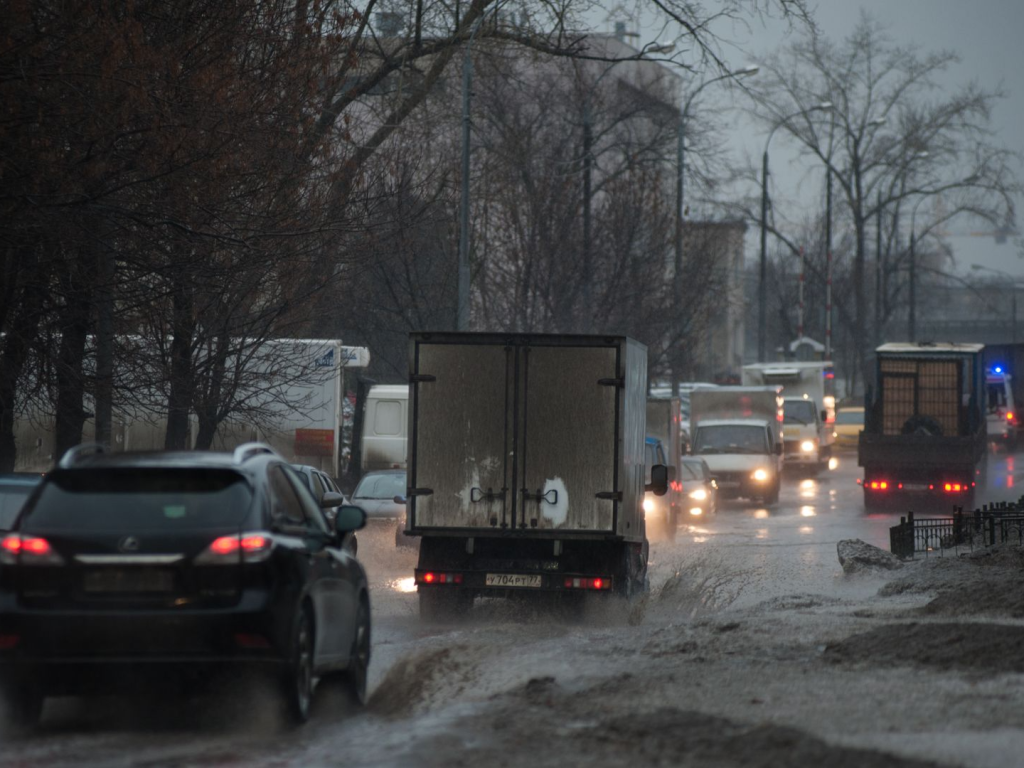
512 580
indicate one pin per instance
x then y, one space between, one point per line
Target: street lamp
463 293
762 282
1015 284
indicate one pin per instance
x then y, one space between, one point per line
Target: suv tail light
251 547
16 549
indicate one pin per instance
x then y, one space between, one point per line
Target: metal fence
1001 523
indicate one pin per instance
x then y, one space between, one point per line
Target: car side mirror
399 499
331 499
659 480
349 518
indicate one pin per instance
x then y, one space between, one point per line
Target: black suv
127 564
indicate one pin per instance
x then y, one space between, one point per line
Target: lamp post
1015 284
463 293
762 280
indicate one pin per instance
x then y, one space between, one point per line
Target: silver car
376 494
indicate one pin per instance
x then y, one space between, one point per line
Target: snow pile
857 556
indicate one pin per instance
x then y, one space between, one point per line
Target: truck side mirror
824 416
778 449
671 474
659 480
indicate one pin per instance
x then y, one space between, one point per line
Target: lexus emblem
128 544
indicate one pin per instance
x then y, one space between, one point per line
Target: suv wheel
298 680
359 662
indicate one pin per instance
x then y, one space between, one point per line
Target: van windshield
731 438
798 412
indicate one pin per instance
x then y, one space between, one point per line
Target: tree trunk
211 411
25 311
74 331
182 379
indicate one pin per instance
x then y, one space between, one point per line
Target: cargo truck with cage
526 467
924 425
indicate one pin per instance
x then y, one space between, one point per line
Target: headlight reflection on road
833 463
403 585
761 514
808 488
806 529
807 512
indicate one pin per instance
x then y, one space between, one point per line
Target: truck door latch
609 495
538 496
477 494
620 382
421 378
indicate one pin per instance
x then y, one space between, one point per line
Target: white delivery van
385 427
999 407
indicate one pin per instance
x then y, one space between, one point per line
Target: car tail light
434 577
251 547
251 640
601 583
27 550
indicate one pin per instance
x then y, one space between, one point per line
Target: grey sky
984 33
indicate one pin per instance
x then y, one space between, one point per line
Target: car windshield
732 438
142 499
691 470
381 486
12 499
850 417
798 412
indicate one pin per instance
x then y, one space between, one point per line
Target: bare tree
888 142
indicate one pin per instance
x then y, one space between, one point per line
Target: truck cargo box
528 435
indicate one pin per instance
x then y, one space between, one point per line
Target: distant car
376 494
700 492
14 492
848 425
126 565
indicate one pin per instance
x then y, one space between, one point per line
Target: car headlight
648 505
699 495
760 475
807 446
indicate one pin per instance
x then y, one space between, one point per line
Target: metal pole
462 315
1014 306
677 272
878 271
587 183
761 287
828 263
911 315
800 320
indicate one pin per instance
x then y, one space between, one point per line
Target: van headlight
807 446
648 505
760 475
699 495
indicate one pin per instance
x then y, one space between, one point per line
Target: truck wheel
21 703
773 495
871 502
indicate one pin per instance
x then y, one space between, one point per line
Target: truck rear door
569 439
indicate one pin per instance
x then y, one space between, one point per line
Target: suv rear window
142 498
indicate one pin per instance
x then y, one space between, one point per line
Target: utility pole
878 271
828 262
762 293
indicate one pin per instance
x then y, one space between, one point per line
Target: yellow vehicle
848 426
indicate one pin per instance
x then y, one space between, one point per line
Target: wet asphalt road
783 550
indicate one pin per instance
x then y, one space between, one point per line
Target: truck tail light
1009 415
435 577
954 487
600 583
879 485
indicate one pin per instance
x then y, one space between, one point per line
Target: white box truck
385 427
526 467
738 432
809 408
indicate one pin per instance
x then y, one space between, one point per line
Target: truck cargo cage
993 524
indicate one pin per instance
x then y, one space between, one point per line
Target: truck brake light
879 485
571 582
434 577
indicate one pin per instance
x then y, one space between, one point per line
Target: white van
385 427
